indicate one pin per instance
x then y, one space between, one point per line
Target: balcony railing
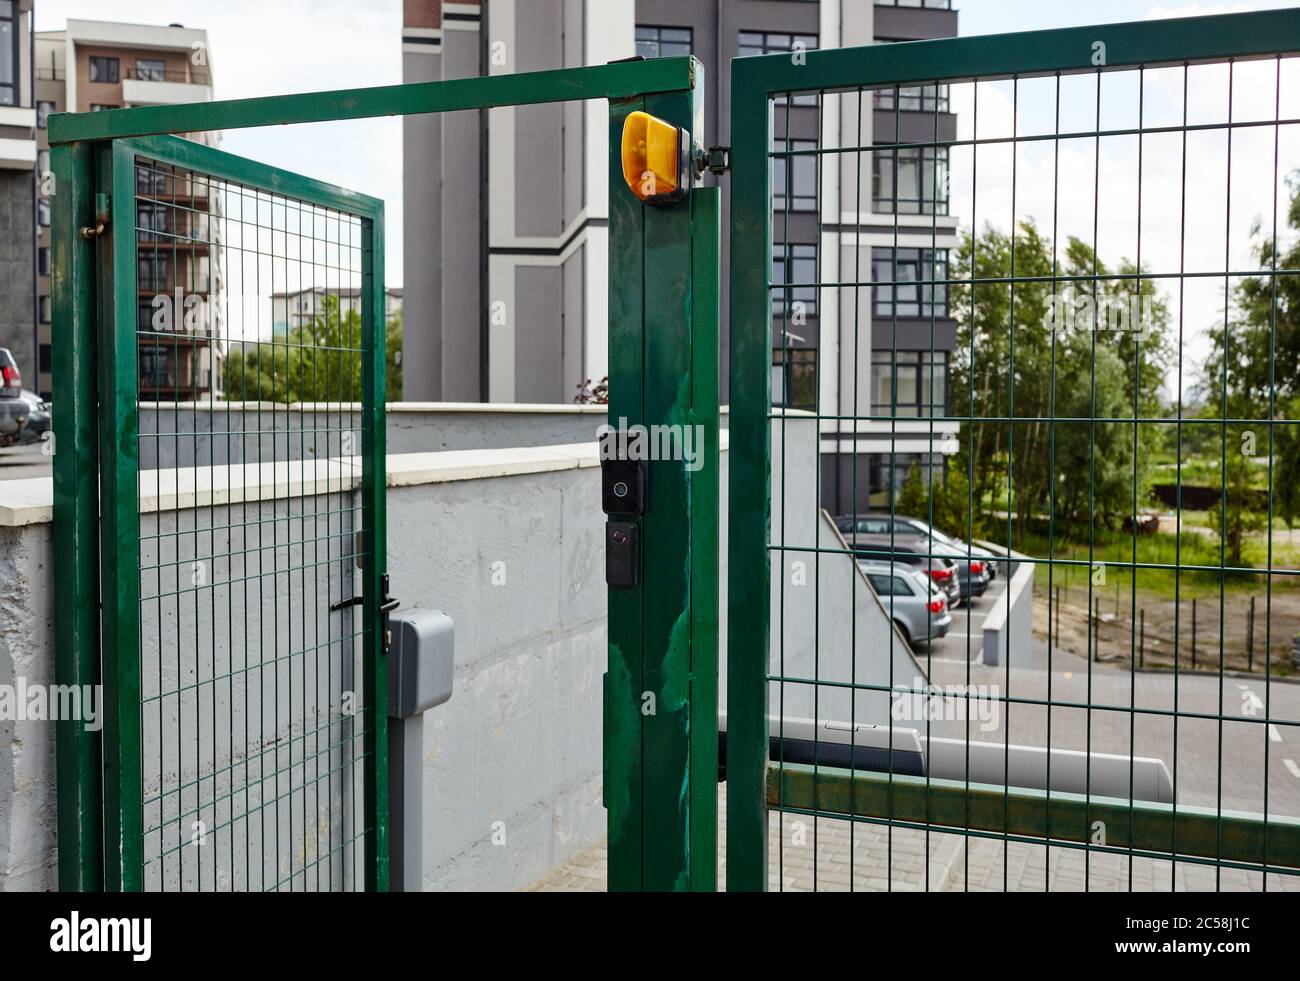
161 75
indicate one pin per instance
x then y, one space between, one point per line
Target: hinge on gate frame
102 213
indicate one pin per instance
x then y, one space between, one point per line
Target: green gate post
76 511
749 565
119 467
661 687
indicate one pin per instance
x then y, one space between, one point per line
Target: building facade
18 186
95 65
506 287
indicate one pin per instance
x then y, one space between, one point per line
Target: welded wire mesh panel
251 333
1035 394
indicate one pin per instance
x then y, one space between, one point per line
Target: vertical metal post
660 701
1193 635
750 496
120 523
1250 637
375 561
76 511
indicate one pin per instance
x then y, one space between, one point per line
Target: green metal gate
241 568
859 145
245 737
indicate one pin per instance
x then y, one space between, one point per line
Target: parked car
972 574
13 409
917 604
39 419
912 551
877 522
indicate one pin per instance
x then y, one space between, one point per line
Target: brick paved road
878 863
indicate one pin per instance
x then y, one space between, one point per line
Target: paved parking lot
1213 764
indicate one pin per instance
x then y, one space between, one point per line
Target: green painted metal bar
749 526
622 80
1144 827
660 689
76 512
666 533
119 466
250 173
988 57
374 512
704 525
623 779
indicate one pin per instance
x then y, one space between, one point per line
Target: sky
263 48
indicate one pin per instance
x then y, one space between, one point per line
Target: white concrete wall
509 542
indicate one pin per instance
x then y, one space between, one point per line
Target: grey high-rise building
18 158
505 281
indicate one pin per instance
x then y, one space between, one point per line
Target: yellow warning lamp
656 159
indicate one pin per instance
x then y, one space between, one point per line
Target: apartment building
18 157
505 278
293 310
96 65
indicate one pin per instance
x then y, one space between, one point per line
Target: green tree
1039 351
913 500
953 513
1253 372
318 362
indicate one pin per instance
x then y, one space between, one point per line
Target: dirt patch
1121 636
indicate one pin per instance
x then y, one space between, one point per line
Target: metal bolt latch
716 160
102 213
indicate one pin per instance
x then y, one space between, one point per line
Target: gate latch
102 212
387 604
716 160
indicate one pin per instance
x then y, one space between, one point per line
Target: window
914 98
105 69
45 359
43 110
153 366
42 162
922 187
794 378
149 180
151 273
768 42
798 285
151 69
886 474
908 288
889 585
795 173
928 4
43 212
662 42
102 106
915 385
151 220
43 305
43 260
8 53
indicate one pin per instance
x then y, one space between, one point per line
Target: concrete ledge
31 502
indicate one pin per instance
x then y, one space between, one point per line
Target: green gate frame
751 783
660 778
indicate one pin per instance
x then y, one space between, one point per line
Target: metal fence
240 639
1012 283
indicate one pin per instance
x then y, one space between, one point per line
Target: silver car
917 604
